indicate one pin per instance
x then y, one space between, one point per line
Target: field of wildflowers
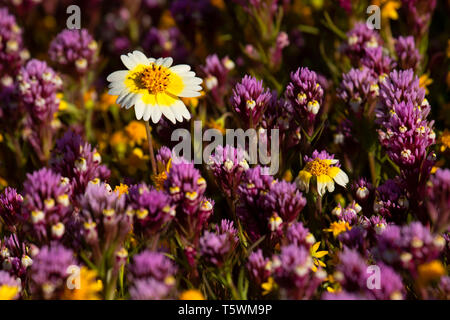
96 204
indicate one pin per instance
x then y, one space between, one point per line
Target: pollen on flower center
154 78
317 167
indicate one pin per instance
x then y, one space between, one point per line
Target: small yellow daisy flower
9 292
316 255
268 286
154 87
430 271
136 132
89 289
191 294
445 140
121 189
338 227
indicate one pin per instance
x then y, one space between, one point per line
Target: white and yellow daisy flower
325 170
154 87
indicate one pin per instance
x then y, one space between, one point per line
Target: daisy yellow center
154 78
318 167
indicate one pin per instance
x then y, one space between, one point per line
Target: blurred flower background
364 136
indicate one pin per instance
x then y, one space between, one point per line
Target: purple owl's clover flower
305 95
49 271
216 74
74 50
47 207
292 270
358 40
11 208
186 187
250 209
405 132
283 202
216 247
408 56
12 52
354 275
104 221
78 162
151 276
38 85
152 209
438 199
228 165
259 267
357 88
407 247
250 99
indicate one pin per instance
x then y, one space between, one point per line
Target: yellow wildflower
448 48
388 8
437 165
89 98
218 3
430 271
137 160
166 21
268 286
89 288
119 141
62 103
338 227
331 284
106 101
288 176
218 124
445 140
121 189
136 133
159 179
191 294
3 183
316 255
8 292
425 81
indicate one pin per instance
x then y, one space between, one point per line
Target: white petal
189 74
123 97
148 111
130 64
117 76
177 114
115 91
139 109
140 57
151 60
130 100
341 178
159 61
167 112
180 108
156 114
192 81
189 94
180 68
167 62
330 186
321 188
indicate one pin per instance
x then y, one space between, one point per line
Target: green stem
150 147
